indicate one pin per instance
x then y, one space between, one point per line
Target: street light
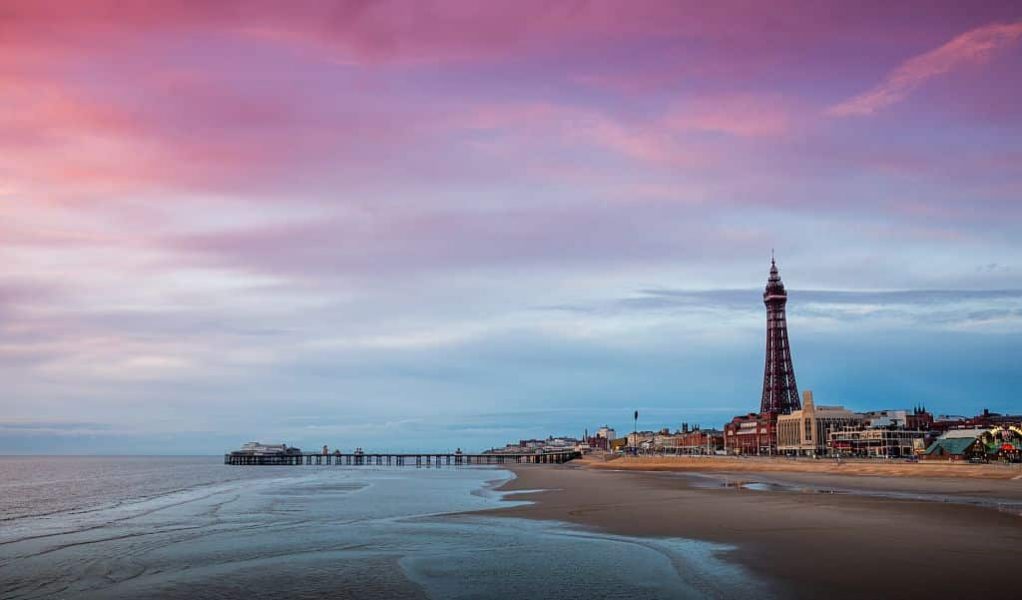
635 433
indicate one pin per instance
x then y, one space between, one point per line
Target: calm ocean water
145 527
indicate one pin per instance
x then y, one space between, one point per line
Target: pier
399 460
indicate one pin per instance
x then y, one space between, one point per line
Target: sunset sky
421 225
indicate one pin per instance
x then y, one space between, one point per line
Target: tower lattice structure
780 393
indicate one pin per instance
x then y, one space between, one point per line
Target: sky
437 224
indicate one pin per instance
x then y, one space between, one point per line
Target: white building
887 418
641 439
260 449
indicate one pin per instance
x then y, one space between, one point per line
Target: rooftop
964 433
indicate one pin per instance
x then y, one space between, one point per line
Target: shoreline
802 541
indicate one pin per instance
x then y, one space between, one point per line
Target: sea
192 527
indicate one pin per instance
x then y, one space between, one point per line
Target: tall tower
780 394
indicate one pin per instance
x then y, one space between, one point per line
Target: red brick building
700 440
751 434
689 441
919 420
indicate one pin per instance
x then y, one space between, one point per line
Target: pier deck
399 460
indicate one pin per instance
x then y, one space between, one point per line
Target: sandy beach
731 464
809 533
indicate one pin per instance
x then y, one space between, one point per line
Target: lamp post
635 433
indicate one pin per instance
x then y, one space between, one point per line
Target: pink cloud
380 242
134 127
645 140
120 105
363 32
433 31
972 47
741 115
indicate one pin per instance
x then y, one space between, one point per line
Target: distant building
751 434
664 440
958 444
917 418
698 441
875 442
560 442
991 419
606 433
1000 443
260 449
806 431
551 444
986 419
920 419
683 441
641 439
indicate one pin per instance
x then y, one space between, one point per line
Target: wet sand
897 537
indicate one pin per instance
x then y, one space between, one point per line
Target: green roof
952 445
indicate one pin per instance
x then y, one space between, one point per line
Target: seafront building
1000 443
260 449
603 438
806 432
916 419
957 444
550 444
986 419
643 440
876 442
754 433
696 440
